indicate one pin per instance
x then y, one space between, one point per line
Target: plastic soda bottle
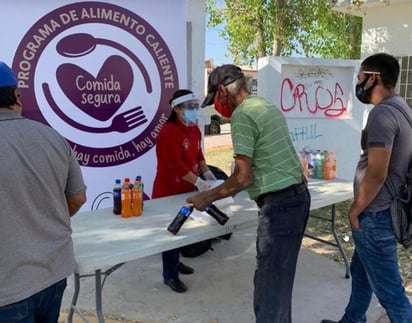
305 163
311 164
333 158
117 197
137 197
142 188
126 199
179 219
327 165
319 164
216 213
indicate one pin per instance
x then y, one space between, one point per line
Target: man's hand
354 221
200 200
75 202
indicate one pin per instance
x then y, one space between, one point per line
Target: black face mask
364 95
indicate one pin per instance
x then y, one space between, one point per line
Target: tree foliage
258 28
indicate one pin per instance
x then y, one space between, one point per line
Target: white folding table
103 241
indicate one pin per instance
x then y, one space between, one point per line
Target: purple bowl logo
99 74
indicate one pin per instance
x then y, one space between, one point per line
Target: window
404 87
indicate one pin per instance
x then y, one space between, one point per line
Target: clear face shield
191 104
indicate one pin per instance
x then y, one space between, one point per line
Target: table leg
338 243
75 297
99 309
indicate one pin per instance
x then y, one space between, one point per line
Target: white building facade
387 27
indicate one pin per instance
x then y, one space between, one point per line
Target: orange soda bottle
333 164
126 199
305 163
327 166
137 197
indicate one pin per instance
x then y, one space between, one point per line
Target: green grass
222 157
343 229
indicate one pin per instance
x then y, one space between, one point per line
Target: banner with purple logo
101 73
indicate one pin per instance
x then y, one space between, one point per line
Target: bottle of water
216 213
117 197
126 199
179 219
311 164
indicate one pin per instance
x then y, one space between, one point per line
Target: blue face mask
190 116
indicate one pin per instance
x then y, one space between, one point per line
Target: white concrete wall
310 78
196 31
388 29
195 11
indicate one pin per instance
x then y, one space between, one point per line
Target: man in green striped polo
267 166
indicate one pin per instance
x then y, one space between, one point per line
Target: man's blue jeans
43 307
281 225
375 269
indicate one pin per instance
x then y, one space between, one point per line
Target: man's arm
74 202
375 176
241 178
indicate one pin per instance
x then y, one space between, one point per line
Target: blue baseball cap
7 76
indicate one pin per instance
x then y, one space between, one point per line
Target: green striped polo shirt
259 131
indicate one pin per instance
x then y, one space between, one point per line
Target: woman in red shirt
179 161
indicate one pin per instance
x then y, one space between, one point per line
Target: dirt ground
93 319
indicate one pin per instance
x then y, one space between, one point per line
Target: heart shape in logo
102 96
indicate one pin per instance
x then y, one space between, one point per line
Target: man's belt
282 194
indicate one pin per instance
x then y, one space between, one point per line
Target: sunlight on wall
387 29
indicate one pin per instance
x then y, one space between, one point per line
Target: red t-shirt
178 151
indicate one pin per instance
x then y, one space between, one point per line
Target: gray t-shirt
387 127
37 170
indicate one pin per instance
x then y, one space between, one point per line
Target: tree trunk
259 41
279 27
354 35
276 46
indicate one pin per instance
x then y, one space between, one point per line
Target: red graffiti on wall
326 101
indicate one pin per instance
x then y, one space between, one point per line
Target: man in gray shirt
41 188
386 154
